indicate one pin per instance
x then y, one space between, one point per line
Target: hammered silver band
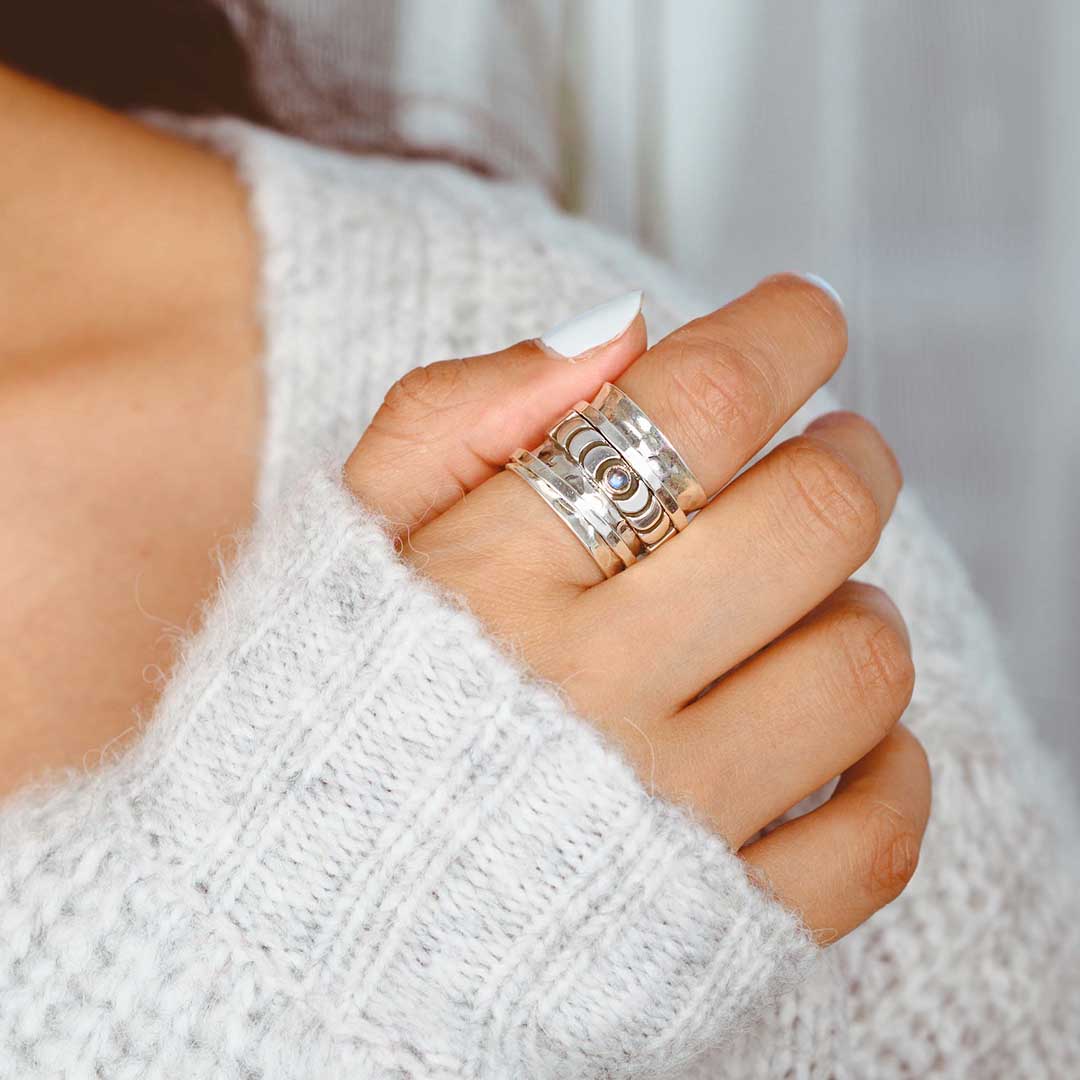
613 478
572 506
628 428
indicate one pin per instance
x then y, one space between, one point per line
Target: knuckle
828 499
878 661
426 392
889 854
724 390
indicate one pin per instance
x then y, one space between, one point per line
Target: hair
179 55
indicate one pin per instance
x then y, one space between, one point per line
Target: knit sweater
358 838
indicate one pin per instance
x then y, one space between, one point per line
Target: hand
736 667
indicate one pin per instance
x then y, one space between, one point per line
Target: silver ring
610 540
614 477
645 447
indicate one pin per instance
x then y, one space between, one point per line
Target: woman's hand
814 670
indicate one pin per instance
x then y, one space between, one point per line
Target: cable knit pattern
357 840
352 805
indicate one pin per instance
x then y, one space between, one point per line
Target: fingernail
595 327
825 287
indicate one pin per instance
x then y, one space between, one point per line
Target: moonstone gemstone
617 479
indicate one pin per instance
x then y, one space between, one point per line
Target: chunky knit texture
357 839
355 822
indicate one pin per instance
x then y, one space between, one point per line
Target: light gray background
923 155
925 158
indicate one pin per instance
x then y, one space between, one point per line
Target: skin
128 389
738 667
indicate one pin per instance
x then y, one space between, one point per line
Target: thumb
445 428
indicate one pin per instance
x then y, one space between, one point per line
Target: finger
721 386
783 536
445 428
804 709
849 858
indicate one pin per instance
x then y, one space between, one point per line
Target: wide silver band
584 510
613 478
628 428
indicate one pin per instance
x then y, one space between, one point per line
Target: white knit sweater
358 840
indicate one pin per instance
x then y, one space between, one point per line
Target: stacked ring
613 478
572 496
628 428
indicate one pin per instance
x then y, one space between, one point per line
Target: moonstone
617 479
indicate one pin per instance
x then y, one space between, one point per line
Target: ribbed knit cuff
425 843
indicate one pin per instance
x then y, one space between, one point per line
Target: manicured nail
595 327
825 287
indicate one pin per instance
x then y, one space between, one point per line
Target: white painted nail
595 327
825 287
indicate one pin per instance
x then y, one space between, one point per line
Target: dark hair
179 55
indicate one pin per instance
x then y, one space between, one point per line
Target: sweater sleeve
357 839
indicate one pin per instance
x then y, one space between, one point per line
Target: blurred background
923 156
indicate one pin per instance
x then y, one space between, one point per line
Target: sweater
358 838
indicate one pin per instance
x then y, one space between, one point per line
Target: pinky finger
839 864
